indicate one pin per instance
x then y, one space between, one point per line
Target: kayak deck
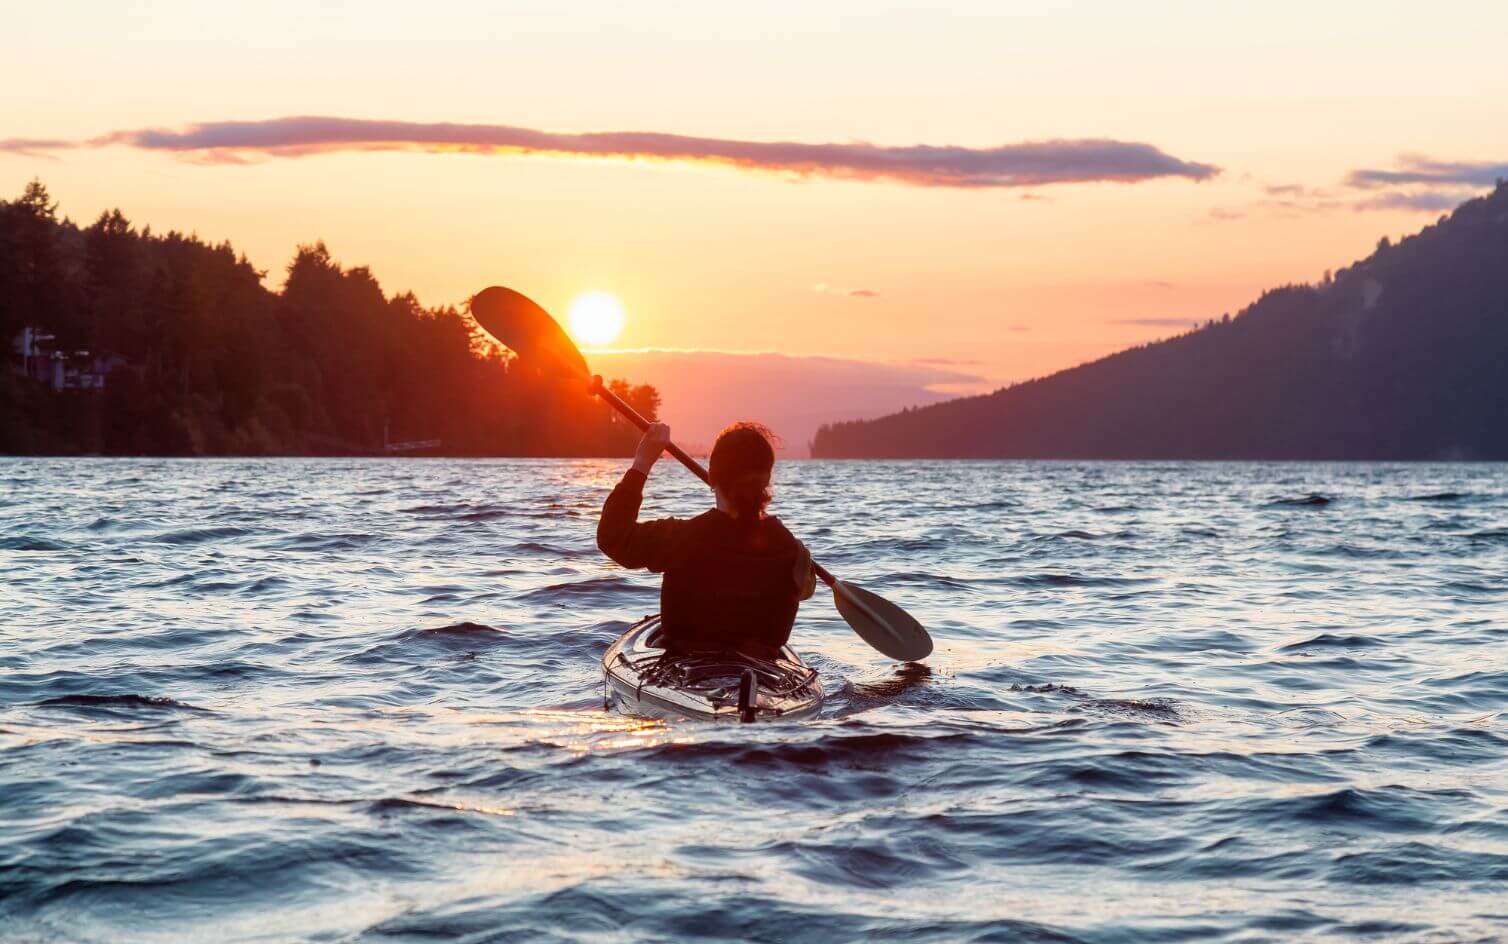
641 678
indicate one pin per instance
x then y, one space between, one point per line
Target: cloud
1424 202
1226 214
822 288
1025 164
1416 169
33 147
706 390
1157 322
1424 184
945 362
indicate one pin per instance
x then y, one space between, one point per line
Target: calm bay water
334 700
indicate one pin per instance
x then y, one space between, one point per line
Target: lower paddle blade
888 628
528 331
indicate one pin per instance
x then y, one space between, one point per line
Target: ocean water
360 700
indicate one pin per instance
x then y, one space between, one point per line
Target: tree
644 398
33 277
36 201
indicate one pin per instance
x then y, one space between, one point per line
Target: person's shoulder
778 532
706 522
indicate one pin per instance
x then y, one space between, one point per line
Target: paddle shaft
634 417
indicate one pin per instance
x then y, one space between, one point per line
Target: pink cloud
1025 164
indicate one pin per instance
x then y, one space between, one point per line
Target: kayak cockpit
642 678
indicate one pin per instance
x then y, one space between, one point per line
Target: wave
466 511
1163 709
458 631
1047 688
1332 641
1392 809
822 752
27 543
321 541
1077 580
152 702
1074 535
198 535
1312 500
549 550
591 587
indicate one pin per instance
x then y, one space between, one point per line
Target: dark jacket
727 585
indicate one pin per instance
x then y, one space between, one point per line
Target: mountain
1403 355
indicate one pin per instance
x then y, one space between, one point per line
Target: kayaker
734 575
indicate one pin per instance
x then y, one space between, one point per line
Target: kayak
641 678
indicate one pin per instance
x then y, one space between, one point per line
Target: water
276 700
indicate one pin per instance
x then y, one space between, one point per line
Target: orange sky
1005 281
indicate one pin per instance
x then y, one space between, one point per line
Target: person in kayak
734 575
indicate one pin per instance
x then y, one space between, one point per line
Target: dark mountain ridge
1403 355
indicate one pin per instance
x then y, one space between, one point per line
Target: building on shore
35 355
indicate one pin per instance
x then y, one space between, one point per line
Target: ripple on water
28 543
198 535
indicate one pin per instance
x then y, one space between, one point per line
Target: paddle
528 331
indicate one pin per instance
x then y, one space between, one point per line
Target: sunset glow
1051 188
596 318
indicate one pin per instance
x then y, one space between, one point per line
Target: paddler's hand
656 438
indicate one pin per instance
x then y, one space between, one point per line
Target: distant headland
1403 355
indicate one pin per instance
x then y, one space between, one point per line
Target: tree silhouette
642 397
211 362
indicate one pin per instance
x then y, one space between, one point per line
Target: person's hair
742 459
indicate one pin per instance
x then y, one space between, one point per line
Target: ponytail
742 460
749 499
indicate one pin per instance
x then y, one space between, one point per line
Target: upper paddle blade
528 331
882 624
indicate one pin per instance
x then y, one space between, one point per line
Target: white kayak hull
641 680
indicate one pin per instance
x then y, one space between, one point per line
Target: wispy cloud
33 147
1417 169
1420 185
1226 214
822 288
946 362
1025 164
1427 201
1424 184
1157 322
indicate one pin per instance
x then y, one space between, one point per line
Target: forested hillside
121 341
1403 355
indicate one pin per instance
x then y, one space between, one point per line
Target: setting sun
596 318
